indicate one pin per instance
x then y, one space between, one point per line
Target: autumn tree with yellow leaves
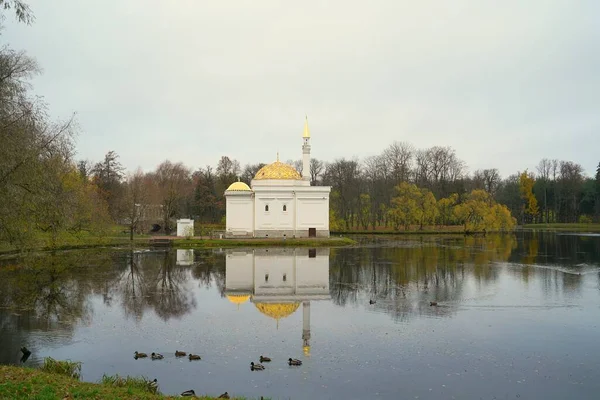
478 212
530 207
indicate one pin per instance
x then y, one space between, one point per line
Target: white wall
275 218
239 209
275 266
312 274
313 211
239 267
185 227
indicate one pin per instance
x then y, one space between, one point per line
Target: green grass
298 242
68 368
28 383
403 232
130 382
568 227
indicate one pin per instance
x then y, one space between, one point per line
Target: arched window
284 207
267 207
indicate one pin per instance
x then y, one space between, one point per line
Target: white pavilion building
279 202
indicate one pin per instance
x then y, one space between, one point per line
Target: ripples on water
517 316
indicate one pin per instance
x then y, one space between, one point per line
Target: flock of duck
157 356
253 367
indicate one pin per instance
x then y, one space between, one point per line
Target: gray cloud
504 83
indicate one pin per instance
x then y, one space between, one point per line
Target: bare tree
136 200
398 157
22 11
544 169
174 185
316 169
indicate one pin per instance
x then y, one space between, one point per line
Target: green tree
108 176
597 200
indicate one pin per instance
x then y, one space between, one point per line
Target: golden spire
306 131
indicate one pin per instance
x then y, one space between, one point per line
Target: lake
517 316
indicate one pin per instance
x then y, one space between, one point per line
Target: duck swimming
180 353
264 359
257 367
188 393
224 396
194 357
433 303
140 355
293 361
156 356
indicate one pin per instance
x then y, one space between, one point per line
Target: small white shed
185 227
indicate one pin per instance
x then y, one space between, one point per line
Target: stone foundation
289 234
238 235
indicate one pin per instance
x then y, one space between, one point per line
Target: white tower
306 327
306 152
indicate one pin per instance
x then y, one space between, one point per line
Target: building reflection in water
278 280
185 257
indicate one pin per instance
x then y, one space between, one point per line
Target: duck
156 356
180 353
140 355
432 303
194 357
264 359
188 393
372 302
293 361
257 367
224 396
153 385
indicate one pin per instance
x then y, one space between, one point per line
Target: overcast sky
505 83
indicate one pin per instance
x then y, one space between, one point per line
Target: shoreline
184 243
22 382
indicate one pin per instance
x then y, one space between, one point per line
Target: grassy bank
182 243
557 227
25 383
118 236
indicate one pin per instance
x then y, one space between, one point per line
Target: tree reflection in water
404 275
152 281
210 269
45 292
166 294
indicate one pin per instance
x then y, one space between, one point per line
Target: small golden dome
239 187
278 170
306 350
238 298
277 310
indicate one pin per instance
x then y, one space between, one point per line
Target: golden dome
239 187
278 170
238 298
277 310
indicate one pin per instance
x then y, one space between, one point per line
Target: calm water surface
517 317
